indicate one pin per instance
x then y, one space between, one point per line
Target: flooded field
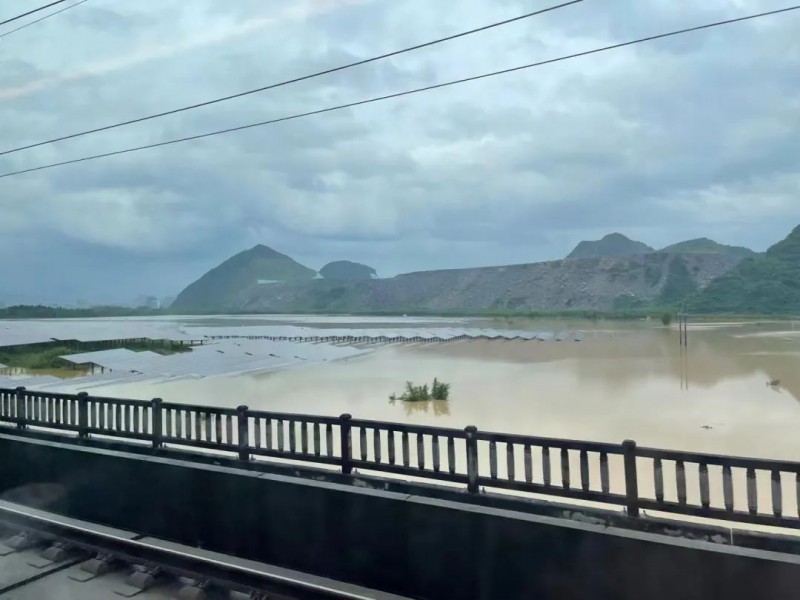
735 390
624 380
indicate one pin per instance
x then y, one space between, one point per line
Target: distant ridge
707 246
611 245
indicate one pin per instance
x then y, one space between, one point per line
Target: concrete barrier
408 544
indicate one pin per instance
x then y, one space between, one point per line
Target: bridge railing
728 488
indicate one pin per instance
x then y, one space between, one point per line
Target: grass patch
48 355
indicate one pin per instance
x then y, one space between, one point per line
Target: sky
675 139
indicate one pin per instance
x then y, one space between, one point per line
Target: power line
30 12
2 35
290 81
404 93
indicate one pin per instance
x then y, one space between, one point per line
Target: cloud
667 141
212 34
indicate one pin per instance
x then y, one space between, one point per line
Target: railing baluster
390 445
420 451
565 468
510 461
280 434
451 454
797 491
435 452
317 449
404 443
493 459
752 494
727 488
148 413
584 458
179 423
680 481
209 428
605 485
170 415
139 427
329 439
257 431
124 418
218 418
376 444
198 425
528 463
304 437
268 432
546 465
658 479
362 442
777 495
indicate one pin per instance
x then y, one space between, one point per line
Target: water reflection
436 408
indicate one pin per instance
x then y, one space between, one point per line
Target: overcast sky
665 141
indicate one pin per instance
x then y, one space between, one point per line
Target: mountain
614 244
707 246
344 270
578 284
763 284
258 266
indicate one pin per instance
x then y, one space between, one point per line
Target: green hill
344 270
614 244
221 284
762 284
707 246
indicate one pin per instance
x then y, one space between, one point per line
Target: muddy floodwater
734 390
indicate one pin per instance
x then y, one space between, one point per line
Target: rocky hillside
707 246
587 284
220 287
763 284
614 244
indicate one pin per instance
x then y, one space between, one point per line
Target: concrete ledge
410 544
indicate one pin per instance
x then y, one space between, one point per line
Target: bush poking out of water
440 390
421 393
666 318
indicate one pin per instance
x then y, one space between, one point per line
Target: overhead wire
294 80
30 12
406 92
39 20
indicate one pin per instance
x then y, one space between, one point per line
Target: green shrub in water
421 393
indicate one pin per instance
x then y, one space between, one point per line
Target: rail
255 580
728 488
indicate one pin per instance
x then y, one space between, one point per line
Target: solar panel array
410 334
225 357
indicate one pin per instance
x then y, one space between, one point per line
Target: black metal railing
728 488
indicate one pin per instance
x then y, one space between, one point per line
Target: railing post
347 443
244 432
19 394
156 411
472 458
631 478
83 414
